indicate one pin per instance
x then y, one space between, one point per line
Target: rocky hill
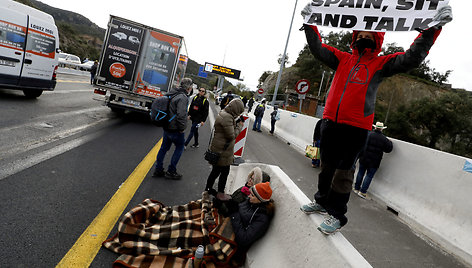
77 34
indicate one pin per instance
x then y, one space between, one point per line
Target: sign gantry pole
282 64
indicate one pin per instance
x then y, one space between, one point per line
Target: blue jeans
257 123
193 133
176 138
365 181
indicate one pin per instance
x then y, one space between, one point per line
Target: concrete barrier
292 239
427 188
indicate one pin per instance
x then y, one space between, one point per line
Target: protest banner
375 15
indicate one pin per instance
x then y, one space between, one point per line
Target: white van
29 44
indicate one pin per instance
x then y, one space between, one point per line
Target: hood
378 36
235 107
175 91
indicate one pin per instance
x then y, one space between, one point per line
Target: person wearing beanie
261 191
253 217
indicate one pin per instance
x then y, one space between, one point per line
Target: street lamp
283 57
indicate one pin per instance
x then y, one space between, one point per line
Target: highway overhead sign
222 70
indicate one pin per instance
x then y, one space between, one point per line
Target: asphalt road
63 156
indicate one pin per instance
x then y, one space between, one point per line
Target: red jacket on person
351 99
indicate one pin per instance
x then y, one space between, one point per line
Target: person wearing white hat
370 158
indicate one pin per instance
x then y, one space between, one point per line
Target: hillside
77 34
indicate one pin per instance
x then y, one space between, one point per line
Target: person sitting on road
253 218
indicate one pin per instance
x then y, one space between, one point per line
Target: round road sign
260 91
302 86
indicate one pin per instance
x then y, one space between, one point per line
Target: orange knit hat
262 191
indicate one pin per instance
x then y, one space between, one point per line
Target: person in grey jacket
174 131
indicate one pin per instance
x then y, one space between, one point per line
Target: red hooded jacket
351 99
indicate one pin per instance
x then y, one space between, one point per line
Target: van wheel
32 93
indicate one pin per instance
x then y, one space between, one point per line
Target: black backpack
160 111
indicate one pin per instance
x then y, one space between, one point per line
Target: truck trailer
138 63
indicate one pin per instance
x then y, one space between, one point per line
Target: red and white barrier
241 138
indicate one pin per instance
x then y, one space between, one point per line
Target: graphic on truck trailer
120 54
158 63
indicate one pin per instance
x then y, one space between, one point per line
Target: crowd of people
346 133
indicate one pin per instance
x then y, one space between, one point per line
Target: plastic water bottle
198 256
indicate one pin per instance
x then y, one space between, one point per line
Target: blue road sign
202 73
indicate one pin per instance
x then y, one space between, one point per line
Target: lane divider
87 246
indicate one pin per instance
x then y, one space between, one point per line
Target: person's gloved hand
443 16
306 10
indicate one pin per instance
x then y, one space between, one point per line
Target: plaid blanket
153 235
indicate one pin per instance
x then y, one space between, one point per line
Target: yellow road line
87 246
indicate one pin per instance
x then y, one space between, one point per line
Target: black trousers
223 172
340 146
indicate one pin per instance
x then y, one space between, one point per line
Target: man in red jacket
349 109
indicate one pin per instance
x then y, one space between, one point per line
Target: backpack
160 111
258 110
277 116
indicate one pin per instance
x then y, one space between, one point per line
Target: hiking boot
362 195
195 146
173 175
158 173
329 225
313 207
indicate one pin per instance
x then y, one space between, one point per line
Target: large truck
29 47
138 63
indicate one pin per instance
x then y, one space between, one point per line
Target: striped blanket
153 235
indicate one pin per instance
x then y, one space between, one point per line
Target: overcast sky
249 35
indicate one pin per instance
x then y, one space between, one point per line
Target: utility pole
282 64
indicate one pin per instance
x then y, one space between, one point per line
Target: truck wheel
32 93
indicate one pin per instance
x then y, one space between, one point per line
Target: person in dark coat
226 129
250 104
370 158
174 131
315 162
198 113
258 113
226 100
244 101
253 217
93 71
274 117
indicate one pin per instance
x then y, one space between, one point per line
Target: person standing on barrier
370 158
349 109
227 127
198 113
174 131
